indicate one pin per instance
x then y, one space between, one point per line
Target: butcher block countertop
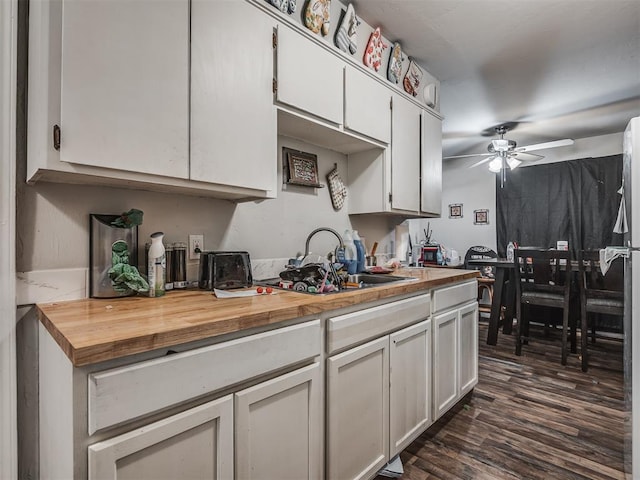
94 330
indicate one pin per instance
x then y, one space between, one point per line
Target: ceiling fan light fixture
495 165
513 163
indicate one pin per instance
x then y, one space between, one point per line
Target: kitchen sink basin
364 280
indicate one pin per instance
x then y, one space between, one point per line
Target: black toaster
224 270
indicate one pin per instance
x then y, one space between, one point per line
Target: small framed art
301 168
455 210
481 217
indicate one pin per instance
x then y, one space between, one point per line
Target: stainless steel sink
365 280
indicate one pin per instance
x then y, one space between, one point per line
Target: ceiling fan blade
541 146
517 154
467 156
484 160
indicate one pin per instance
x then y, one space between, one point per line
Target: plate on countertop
378 269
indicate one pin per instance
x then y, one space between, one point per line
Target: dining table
503 295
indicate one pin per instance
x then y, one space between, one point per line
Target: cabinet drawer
369 323
447 297
124 393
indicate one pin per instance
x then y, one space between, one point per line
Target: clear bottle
510 248
360 253
350 253
157 266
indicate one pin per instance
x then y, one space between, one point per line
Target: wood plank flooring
529 417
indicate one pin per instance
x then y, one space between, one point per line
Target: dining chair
599 294
486 281
542 277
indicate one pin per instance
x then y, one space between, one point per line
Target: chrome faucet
331 259
321 229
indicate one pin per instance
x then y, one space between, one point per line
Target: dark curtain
575 201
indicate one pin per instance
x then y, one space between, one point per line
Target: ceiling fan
505 153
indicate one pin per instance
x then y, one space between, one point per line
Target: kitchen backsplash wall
53 219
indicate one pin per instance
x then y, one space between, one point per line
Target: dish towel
621 222
609 254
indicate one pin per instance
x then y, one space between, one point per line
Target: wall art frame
300 168
481 217
455 210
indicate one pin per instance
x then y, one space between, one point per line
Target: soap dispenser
360 253
350 253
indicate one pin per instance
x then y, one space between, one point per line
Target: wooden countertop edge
301 306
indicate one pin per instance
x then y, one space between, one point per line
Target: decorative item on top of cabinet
316 16
346 36
395 63
300 168
412 79
373 52
337 188
285 6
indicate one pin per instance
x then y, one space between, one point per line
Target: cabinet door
358 411
405 155
431 164
367 105
309 77
410 384
125 85
445 361
278 427
197 443
233 119
468 357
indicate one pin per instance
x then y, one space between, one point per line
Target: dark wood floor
529 417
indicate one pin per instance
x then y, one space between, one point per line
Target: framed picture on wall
455 210
301 168
481 217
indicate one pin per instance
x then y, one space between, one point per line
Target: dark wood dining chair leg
565 330
584 340
510 302
518 328
574 334
494 318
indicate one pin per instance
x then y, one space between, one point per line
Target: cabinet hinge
274 86
56 137
391 103
390 197
274 39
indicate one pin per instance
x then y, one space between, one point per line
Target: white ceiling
562 68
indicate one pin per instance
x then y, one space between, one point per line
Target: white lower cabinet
455 344
197 443
358 411
378 392
410 385
278 430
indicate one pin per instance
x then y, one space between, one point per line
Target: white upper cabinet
431 166
125 85
233 119
405 155
367 105
309 77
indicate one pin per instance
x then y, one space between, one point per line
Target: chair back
602 291
542 272
479 252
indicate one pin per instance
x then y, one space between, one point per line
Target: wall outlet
196 245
